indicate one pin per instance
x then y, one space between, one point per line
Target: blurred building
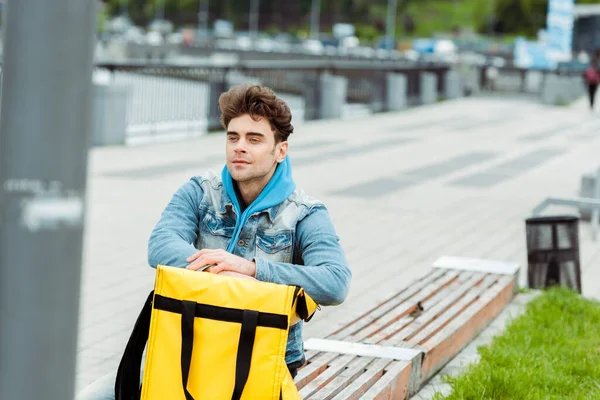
586 30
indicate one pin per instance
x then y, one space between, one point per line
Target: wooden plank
430 315
453 311
354 370
333 370
365 319
404 309
390 330
365 381
393 385
311 370
446 343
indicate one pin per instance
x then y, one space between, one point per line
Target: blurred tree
414 17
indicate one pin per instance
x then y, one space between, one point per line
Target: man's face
252 154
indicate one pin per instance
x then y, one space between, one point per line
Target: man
252 221
592 78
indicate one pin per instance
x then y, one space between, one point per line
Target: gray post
315 13
391 23
429 93
46 107
397 85
595 212
253 18
452 85
333 95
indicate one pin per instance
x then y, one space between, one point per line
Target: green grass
550 352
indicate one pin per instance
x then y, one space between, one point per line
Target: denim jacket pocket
274 246
215 232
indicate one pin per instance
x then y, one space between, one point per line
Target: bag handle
244 354
127 384
188 313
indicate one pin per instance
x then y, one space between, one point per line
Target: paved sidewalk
455 178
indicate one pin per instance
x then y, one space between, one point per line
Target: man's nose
240 147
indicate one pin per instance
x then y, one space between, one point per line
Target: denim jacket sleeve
173 238
325 274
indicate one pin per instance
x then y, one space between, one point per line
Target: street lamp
123 9
391 23
160 9
314 18
253 18
203 17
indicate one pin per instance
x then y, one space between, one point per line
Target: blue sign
560 26
532 55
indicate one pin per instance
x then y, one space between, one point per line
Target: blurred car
161 25
154 38
313 46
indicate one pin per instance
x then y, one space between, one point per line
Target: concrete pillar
378 92
110 114
429 93
311 92
533 81
334 90
397 85
550 89
453 87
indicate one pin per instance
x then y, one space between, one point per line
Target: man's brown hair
257 101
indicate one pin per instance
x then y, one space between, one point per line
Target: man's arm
325 275
172 239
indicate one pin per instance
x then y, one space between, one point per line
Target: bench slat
430 315
392 385
404 309
355 369
315 367
453 311
398 298
333 370
365 381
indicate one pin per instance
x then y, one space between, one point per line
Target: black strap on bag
244 354
188 314
127 385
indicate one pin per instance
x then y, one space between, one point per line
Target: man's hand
222 260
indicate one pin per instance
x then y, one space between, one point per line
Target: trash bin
553 252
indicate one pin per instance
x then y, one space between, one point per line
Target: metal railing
174 97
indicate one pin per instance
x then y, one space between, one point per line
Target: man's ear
283 149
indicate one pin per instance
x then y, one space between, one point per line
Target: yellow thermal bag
212 337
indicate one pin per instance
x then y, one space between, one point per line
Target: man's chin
239 177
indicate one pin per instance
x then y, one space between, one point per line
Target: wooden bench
390 351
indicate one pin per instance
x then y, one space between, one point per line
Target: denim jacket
292 243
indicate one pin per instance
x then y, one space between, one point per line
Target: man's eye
254 140
231 138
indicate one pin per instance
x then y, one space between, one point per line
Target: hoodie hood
279 188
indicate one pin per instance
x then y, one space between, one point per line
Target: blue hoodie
279 188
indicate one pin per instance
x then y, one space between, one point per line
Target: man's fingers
193 256
217 268
193 267
201 253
